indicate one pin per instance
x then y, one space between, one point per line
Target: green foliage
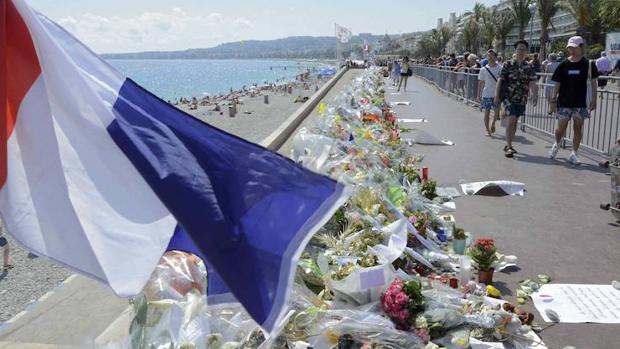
610 14
594 51
521 13
458 233
429 189
503 22
587 13
483 253
417 303
409 171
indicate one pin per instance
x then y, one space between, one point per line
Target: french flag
101 176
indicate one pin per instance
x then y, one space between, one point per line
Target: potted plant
459 239
483 252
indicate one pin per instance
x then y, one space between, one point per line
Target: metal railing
600 131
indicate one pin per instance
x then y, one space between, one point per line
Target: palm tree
546 11
610 13
446 34
471 33
587 15
488 29
522 15
479 11
503 22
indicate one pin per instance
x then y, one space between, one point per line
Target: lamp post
532 9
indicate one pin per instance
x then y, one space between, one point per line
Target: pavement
556 229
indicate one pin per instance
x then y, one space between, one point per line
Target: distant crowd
503 86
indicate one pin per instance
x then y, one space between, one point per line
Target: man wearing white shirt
487 81
603 65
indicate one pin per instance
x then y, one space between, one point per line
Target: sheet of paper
508 187
406 120
401 103
577 303
448 192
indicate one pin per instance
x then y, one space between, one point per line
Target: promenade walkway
557 228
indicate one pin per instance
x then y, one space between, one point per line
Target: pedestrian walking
537 66
405 73
574 95
549 69
603 65
487 82
395 72
4 244
512 89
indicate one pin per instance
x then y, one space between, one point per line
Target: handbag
589 86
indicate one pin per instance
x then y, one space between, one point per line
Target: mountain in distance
305 47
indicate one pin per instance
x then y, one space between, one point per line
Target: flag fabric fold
102 176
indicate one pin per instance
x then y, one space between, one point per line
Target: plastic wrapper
171 311
354 328
360 283
312 150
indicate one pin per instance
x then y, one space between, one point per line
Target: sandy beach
255 120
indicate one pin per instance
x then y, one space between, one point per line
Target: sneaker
554 150
573 158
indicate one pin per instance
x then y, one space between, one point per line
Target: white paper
448 192
577 303
412 120
509 187
478 344
401 103
450 204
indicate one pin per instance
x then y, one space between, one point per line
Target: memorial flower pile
381 273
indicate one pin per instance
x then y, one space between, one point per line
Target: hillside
291 47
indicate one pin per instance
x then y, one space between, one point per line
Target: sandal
493 129
8 266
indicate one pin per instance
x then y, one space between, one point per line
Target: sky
113 26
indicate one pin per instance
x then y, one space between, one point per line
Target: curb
5 326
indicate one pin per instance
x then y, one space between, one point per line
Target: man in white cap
572 79
603 65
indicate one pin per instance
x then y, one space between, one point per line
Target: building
564 26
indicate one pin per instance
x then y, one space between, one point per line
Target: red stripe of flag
19 71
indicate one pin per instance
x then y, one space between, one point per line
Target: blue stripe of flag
247 209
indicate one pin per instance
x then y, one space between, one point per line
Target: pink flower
403 315
422 334
413 219
401 299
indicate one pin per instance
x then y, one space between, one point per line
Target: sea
171 79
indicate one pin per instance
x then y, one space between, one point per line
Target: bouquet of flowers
402 301
483 252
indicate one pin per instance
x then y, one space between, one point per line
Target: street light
532 9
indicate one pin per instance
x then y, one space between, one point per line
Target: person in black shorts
570 98
405 73
512 89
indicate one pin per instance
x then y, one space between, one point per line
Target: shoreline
254 119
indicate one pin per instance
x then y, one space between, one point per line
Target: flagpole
3 91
